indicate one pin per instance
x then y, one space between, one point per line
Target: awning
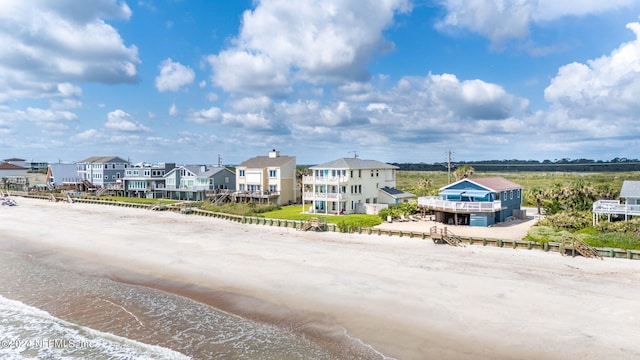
464 192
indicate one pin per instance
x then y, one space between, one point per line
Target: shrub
572 221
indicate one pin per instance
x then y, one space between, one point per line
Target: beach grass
137 200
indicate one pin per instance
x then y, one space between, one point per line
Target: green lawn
294 212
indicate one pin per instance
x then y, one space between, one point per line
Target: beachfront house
615 209
13 174
144 180
64 176
103 172
475 202
196 182
270 179
351 185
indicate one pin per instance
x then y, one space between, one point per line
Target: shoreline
407 298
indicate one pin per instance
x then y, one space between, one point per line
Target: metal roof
353 163
395 193
630 189
102 160
261 162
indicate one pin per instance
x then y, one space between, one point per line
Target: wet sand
407 298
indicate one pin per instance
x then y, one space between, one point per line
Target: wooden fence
295 224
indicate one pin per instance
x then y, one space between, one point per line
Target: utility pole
449 158
219 161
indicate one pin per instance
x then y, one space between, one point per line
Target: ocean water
48 312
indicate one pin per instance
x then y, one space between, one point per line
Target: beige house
270 179
351 185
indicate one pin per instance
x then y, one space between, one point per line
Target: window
226 179
273 173
241 173
377 173
147 172
511 194
273 188
359 173
241 187
518 194
371 173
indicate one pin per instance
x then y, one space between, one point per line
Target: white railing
310 195
309 179
437 203
614 207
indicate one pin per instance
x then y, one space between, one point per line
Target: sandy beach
406 298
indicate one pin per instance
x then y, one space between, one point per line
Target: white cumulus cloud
173 76
122 121
281 42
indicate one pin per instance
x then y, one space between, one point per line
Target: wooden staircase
312 224
575 245
441 236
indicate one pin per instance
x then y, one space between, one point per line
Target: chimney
274 153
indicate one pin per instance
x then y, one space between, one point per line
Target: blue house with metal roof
475 202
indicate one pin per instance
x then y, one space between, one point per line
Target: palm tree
464 171
538 195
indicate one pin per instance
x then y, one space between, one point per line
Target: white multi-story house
194 182
350 185
270 178
103 171
145 180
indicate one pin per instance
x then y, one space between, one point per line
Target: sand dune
407 298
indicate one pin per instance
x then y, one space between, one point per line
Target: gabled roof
14 159
102 160
630 189
212 171
261 162
197 170
64 173
496 183
395 193
7 166
353 163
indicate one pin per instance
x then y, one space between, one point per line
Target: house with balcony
103 172
146 180
476 202
269 179
196 182
616 209
351 185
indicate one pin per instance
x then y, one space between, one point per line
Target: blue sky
393 80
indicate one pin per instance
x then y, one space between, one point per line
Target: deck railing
310 195
309 179
436 203
614 207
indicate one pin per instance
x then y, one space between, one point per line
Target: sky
390 80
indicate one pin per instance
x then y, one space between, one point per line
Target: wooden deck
614 207
460 207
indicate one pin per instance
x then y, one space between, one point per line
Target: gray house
145 180
197 182
475 202
103 171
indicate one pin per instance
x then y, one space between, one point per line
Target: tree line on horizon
565 164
